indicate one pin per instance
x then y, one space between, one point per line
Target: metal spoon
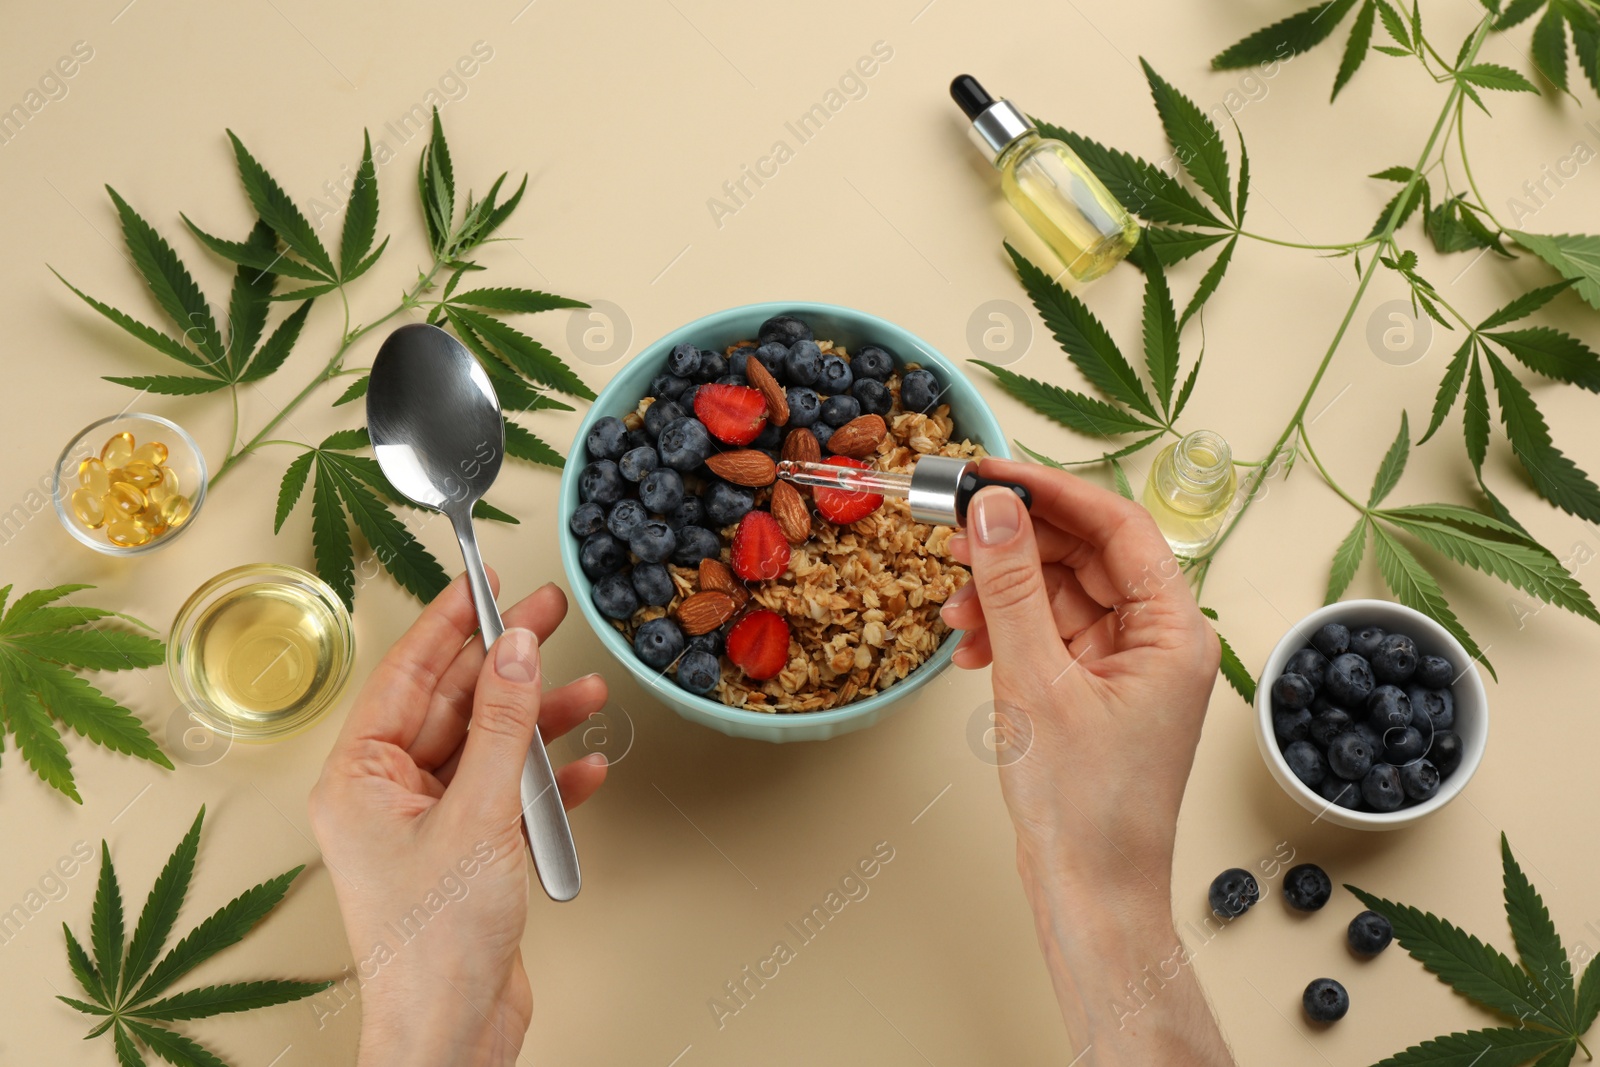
436 429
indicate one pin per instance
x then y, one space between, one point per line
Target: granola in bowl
744 589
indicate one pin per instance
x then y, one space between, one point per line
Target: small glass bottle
1190 491
1049 185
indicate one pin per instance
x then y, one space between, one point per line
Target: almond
859 437
705 611
745 466
777 400
789 508
716 577
801 446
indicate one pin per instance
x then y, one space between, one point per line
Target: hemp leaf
126 982
41 643
1536 992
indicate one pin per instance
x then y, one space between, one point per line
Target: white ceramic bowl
1471 706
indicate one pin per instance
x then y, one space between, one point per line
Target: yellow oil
265 655
1190 491
1059 197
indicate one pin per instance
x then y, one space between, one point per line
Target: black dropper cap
972 98
970 483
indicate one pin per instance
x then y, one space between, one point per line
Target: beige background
628 117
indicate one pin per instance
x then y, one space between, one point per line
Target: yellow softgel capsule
151 452
125 533
125 499
169 480
152 519
141 474
117 451
156 493
93 477
87 506
176 510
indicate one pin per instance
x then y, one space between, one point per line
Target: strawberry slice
760 551
844 506
759 644
735 414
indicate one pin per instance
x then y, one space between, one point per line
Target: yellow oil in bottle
1190 491
1057 195
264 655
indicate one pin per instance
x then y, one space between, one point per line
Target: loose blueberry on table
680 520
1366 720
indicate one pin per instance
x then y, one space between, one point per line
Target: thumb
1022 628
505 716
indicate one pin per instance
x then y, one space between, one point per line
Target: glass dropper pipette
938 487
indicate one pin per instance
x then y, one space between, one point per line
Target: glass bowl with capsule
129 483
845 326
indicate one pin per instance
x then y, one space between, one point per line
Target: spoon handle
555 855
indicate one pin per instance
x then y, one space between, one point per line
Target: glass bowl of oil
129 484
261 652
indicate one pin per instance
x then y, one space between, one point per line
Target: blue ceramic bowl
844 326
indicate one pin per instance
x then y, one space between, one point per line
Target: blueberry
638 437
713 365
1446 752
653 541
1291 724
733 379
658 642
822 431
772 356
1309 664
601 554
919 391
1293 691
662 490
1369 933
637 462
587 518
838 410
1365 641
1388 708
625 518
1370 734
1325 1001
684 360
668 386
1381 788
1338 791
805 406
1349 680
771 436
736 361
874 396
1306 761
726 504
803 364
1307 887
653 583
712 642
836 375
1396 659
1350 756
601 482
1437 705
607 438
696 543
1420 779
1435 672
692 512
1403 745
685 444
1328 724
686 401
1332 640
659 414
785 329
872 362
1233 892
614 596
699 672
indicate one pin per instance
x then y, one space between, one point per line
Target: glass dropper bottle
1049 185
1190 490
939 488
